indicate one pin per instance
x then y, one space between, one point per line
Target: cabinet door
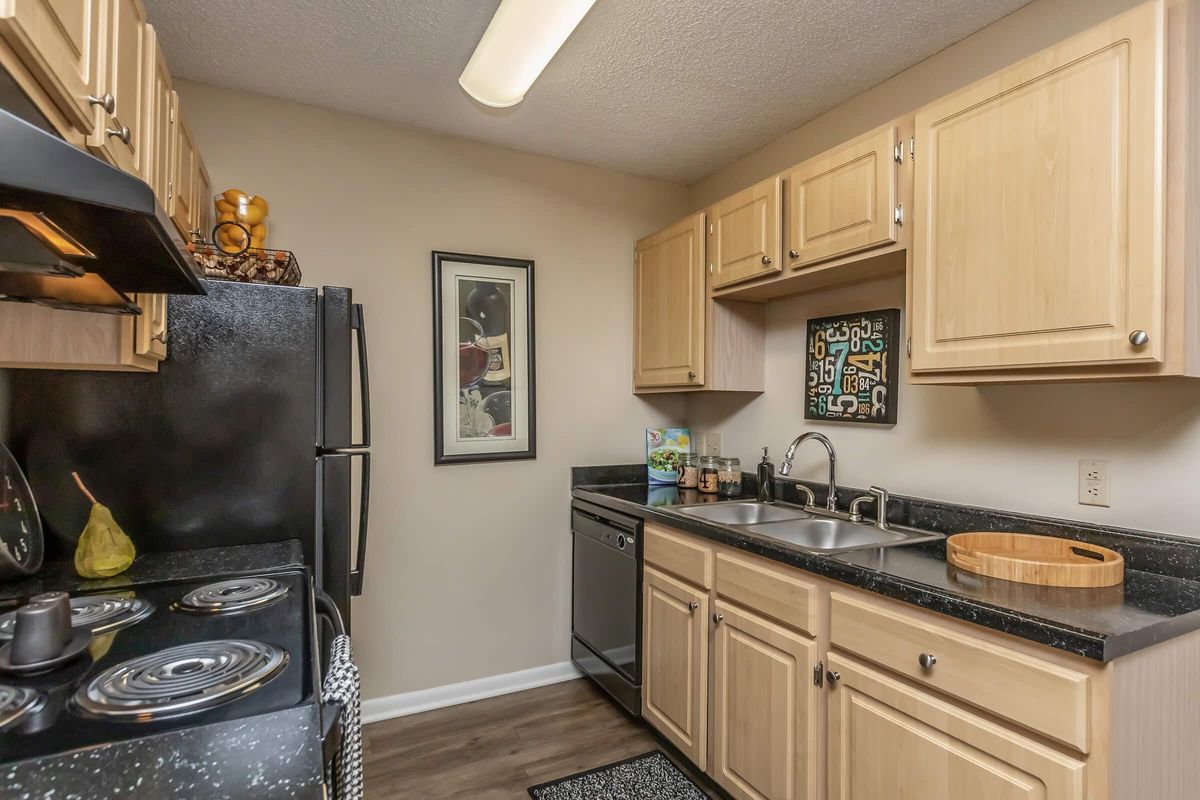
150 329
1039 209
746 241
159 134
764 722
843 201
888 739
57 40
675 663
668 301
203 209
182 187
119 136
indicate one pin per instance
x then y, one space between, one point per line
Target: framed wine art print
851 370
483 373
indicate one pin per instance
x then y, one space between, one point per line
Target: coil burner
15 703
101 613
181 680
233 596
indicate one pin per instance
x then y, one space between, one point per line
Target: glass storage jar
689 471
708 474
729 477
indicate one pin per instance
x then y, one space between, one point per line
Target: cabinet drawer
677 554
770 591
1042 696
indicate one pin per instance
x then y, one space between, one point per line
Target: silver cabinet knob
1139 338
691 375
793 254
121 133
766 260
833 677
105 101
692 606
717 618
927 660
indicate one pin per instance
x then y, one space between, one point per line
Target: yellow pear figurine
103 550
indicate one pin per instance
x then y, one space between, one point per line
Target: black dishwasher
606 600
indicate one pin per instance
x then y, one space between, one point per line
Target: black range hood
64 213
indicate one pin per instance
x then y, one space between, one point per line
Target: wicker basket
251 265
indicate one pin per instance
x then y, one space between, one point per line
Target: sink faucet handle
811 499
856 506
881 498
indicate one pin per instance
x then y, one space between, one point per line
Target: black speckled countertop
151 567
1159 599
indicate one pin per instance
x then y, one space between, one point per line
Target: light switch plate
708 443
1094 482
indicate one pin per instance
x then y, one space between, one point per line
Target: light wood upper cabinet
184 172
120 136
159 133
675 662
763 708
888 739
745 234
845 200
1039 209
203 209
57 41
669 306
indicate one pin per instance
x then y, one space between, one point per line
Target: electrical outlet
710 444
1093 482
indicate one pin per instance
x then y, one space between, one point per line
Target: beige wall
1013 447
468 567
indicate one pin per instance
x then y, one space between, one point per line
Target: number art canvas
851 369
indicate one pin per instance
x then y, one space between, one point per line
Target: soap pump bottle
766 479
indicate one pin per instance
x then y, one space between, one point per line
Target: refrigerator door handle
358 323
360 559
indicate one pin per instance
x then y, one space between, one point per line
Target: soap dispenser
766 479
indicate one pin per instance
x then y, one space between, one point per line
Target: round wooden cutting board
1041 560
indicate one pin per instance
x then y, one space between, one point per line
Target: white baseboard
400 705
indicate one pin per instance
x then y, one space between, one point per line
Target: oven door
605 613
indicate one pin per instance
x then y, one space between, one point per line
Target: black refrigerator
245 435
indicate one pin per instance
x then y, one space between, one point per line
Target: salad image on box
664 453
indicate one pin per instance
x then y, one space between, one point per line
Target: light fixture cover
518 44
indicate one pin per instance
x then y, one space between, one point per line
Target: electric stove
167 657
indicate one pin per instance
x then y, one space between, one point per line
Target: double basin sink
806 528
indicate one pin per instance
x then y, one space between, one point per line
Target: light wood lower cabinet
783 685
763 708
890 740
675 662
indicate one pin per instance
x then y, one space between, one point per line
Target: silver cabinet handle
927 660
692 606
766 260
1139 338
161 336
793 254
105 101
121 133
832 676
717 618
691 375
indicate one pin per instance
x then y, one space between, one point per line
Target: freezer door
344 353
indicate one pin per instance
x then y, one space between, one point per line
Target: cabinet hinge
912 148
898 152
899 218
710 268
819 674
170 189
710 229
908 346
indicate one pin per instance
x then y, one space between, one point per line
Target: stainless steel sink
830 535
748 513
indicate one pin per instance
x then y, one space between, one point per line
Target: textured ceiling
667 88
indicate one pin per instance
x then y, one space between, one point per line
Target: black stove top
157 664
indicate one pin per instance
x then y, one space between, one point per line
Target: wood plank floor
498 748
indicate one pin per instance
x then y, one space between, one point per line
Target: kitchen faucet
786 466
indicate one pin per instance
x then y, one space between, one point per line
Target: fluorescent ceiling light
518 44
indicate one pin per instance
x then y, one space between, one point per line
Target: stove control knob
43 628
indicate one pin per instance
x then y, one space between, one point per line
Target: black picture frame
828 374
440 261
